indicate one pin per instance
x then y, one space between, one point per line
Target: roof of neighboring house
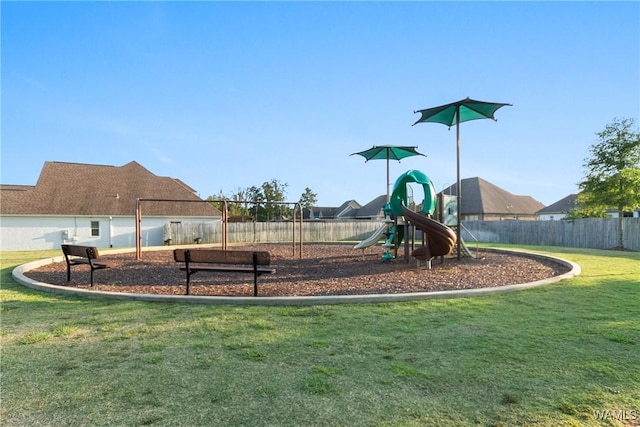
478 197
84 189
561 206
373 208
349 210
482 197
346 210
320 212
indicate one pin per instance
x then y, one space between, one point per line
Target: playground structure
437 238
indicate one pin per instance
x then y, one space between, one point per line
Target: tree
268 198
580 212
268 201
234 209
256 195
308 199
612 177
237 208
274 191
216 204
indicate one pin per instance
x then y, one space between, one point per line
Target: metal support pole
299 206
458 179
225 224
138 219
293 230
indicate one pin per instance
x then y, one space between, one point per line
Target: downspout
110 231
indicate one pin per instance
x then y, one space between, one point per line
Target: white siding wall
551 217
26 233
614 214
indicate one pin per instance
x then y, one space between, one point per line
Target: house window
95 228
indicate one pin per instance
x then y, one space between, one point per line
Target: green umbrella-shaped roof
388 152
458 112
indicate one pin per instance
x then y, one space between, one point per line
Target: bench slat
81 251
217 256
224 261
228 268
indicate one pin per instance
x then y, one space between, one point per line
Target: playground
326 269
390 261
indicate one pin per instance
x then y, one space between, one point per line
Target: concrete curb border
18 276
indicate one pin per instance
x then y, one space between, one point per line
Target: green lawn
564 354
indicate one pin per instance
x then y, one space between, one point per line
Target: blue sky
227 95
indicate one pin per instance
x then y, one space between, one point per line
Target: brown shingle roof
83 189
373 208
482 197
561 206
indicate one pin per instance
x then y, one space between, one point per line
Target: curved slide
373 239
440 238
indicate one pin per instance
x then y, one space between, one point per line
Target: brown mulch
325 269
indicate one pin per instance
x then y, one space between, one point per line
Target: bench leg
255 274
92 277
189 273
68 273
255 284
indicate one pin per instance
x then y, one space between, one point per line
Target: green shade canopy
388 152
458 112
454 114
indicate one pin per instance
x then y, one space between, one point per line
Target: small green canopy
388 152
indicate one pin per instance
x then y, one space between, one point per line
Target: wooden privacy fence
186 234
268 232
594 233
584 233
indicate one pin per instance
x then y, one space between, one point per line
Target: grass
561 355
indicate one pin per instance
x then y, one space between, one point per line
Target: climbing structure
440 239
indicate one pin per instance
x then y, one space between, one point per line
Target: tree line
267 202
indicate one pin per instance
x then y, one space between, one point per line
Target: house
95 205
613 213
346 210
483 201
373 209
349 210
559 209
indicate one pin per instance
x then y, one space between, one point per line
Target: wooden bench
255 262
82 255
